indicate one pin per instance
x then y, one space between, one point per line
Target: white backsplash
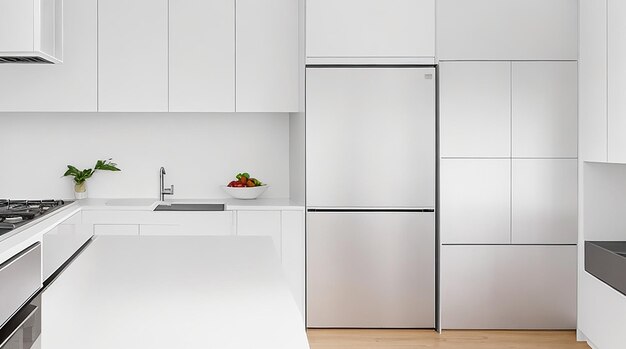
200 152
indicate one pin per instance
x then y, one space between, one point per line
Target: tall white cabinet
616 66
603 81
508 194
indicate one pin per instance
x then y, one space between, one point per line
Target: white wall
200 152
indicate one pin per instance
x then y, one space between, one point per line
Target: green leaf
82 176
106 165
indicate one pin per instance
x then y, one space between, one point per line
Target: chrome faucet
162 190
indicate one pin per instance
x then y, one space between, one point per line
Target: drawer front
60 243
159 229
20 278
371 270
116 229
508 287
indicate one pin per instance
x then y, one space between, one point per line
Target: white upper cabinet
544 201
475 109
71 86
507 29
592 68
267 56
202 56
17 25
545 109
475 201
617 81
370 31
133 55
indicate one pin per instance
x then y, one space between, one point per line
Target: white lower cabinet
160 223
116 229
159 229
286 228
508 287
62 241
293 247
261 223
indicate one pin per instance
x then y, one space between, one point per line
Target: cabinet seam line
511 153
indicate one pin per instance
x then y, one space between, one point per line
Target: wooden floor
417 339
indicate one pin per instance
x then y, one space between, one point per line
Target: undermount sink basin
190 207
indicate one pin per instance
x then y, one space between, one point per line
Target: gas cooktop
15 213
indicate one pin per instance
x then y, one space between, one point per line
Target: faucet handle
169 191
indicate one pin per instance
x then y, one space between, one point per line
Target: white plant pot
80 191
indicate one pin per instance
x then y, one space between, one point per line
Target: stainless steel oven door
23 330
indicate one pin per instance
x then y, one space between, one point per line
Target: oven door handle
18 321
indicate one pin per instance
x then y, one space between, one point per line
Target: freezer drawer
370 137
371 269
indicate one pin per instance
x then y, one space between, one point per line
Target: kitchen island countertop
172 292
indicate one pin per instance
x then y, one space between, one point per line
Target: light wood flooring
417 339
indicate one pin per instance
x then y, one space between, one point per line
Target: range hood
31 31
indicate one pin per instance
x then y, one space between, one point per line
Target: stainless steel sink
190 207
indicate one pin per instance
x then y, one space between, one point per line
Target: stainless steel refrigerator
370 172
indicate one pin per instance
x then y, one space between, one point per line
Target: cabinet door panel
386 29
160 229
545 204
617 80
475 201
132 50
475 109
507 29
60 243
508 287
267 56
263 223
545 109
202 55
71 86
293 254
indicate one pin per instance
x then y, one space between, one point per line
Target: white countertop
28 234
150 204
172 292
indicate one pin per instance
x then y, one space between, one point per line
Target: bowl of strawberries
245 187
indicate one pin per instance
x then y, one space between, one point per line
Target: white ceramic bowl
245 193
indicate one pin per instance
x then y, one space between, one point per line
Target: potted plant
80 177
